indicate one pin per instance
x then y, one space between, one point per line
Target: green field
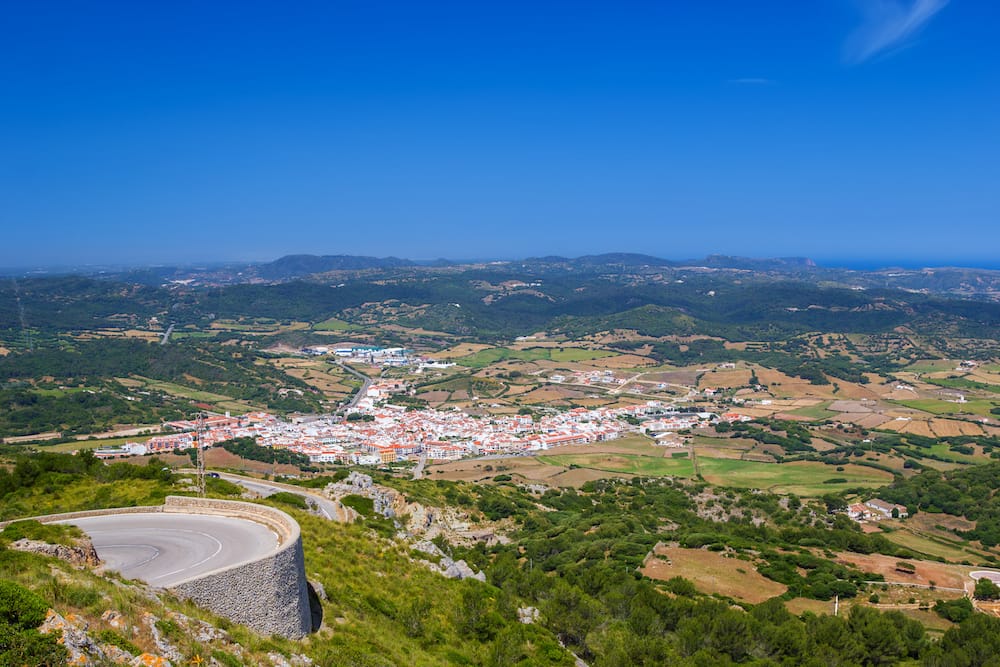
637 464
333 324
492 355
931 365
805 478
817 412
64 391
92 444
939 407
219 400
964 383
942 450
935 547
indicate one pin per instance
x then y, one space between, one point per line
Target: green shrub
955 611
222 487
80 597
226 659
20 609
44 532
363 506
290 499
109 636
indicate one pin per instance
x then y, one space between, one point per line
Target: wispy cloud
888 24
753 81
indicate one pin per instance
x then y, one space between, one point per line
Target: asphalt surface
362 392
164 549
325 507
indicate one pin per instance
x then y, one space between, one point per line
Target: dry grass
944 428
980 375
216 457
620 361
551 393
925 571
799 606
758 411
531 469
527 468
851 390
914 426
786 385
929 522
727 379
687 377
143 335
711 572
873 420
460 350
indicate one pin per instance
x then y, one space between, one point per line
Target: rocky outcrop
83 650
453 569
81 554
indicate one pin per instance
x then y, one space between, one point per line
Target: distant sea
875 264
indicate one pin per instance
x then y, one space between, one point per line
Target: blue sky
847 130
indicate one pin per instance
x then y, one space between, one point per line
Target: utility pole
200 451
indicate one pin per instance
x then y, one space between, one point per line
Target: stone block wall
269 595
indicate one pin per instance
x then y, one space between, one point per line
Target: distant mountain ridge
759 264
297 266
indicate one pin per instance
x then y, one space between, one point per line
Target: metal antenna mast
200 450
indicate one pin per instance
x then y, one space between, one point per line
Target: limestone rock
460 570
83 553
114 619
168 650
527 615
295 660
318 587
73 635
150 660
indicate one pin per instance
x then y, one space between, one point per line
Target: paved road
418 470
362 392
326 507
164 549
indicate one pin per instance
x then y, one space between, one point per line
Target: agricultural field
804 478
523 469
817 412
725 379
909 571
935 406
543 469
333 325
258 326
932 365
714 573
485 357
634 464
330 379
220 402
921 543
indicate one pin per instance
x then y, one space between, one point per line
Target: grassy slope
383 608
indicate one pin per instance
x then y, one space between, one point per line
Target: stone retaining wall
65 516
269 595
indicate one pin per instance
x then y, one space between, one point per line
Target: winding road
165 549
366 382
325 507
